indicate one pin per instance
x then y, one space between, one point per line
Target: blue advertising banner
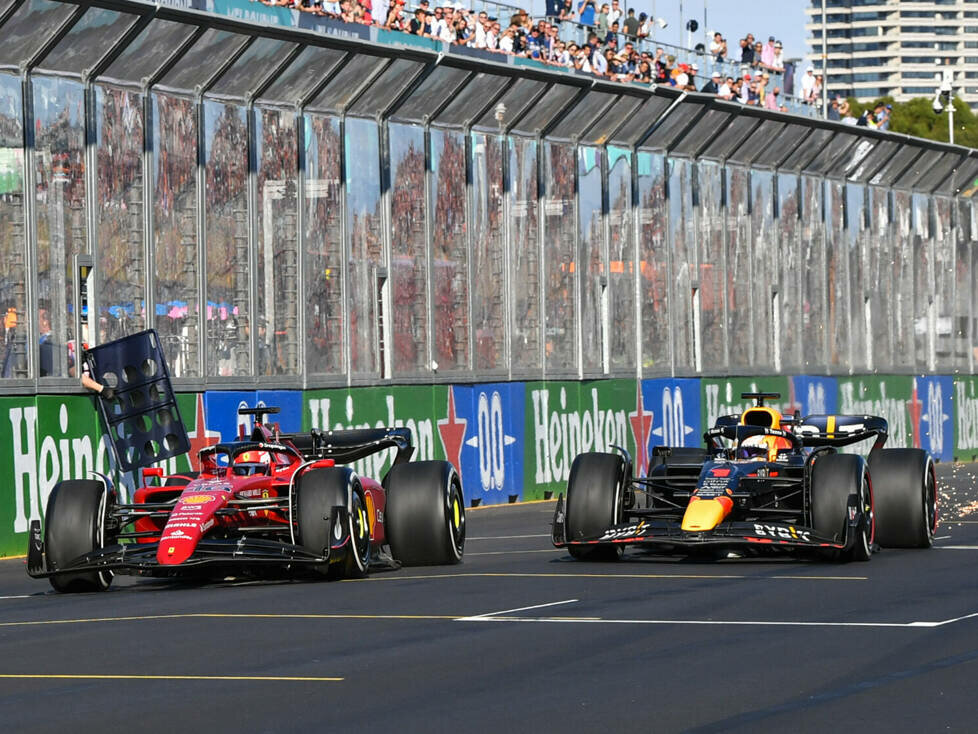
813 395
931 416
674 406
491 455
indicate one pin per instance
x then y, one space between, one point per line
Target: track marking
716 622
511 537
683 576
957 547
513 552
942 537
218 615
20 596
512 504
75 676
519 609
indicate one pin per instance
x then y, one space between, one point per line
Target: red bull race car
763 484
269 504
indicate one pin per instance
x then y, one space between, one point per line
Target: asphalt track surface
517 638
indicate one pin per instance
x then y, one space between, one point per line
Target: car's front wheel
594 499
74 524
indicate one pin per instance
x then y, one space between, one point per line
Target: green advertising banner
890 396
722 397
965 418
563 419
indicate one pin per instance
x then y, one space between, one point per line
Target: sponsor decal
197 499
718 472
207 525
631 531
641 422
200 437
452 432
879 396
966 413
782 532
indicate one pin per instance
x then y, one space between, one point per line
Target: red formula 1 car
271 504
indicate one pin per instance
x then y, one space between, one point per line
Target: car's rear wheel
594 496
317 492
74 525
834 478
906 497
425 514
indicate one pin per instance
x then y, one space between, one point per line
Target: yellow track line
168 677
510 504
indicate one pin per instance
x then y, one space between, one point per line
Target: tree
917 117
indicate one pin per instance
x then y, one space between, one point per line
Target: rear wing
842 430
347 446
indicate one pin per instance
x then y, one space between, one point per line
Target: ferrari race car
763 484
271 504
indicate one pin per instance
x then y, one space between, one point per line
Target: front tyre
317 492
594 494
834 478
425 515
74 525
906 497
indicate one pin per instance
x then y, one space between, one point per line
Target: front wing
242 553
668 536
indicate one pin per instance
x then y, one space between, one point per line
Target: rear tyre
75 525
317 492
425 515
906 497
834 478
594 494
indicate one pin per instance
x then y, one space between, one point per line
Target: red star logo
916 408
200 437
641 430
452 430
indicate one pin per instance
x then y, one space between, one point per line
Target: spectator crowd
614 47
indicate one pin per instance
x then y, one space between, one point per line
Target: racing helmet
762 446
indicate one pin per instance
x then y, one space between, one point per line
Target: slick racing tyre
594 495
425 516
906 497
317 492
181 480
834 478
74 525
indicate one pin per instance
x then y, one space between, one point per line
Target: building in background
895 47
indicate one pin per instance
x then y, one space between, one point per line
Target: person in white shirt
599 64
506 41
725 90
438 24
808 82
480 30
777 64
745 89
615 14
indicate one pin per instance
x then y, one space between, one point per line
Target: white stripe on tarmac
957 547
489 615
710 622
22 596
510 537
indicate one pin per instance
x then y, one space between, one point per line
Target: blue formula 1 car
763 484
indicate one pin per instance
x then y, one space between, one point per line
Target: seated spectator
506 40
419 24
462 32
833 113
693 72
771 99
331 9
612 36
846 112
644 72
581 62
882 115
726 90
395 17
712 86
753 94
744 89
631 24
718 47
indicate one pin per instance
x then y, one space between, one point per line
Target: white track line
490 615
22 596
710 622
510 537
957 547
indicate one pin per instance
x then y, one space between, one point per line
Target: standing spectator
599 62
807 84
615 14
712 86
758 52
462 33
718 47
882 116
395 17
601 21
631 24
567 11
644 72
581 62
816 94
379 10
746 52
644 26
743 91
553 8
777 63
846 112
586 11
767 54
438 24
506 40
479 30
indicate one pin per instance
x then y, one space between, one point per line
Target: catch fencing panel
289 209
